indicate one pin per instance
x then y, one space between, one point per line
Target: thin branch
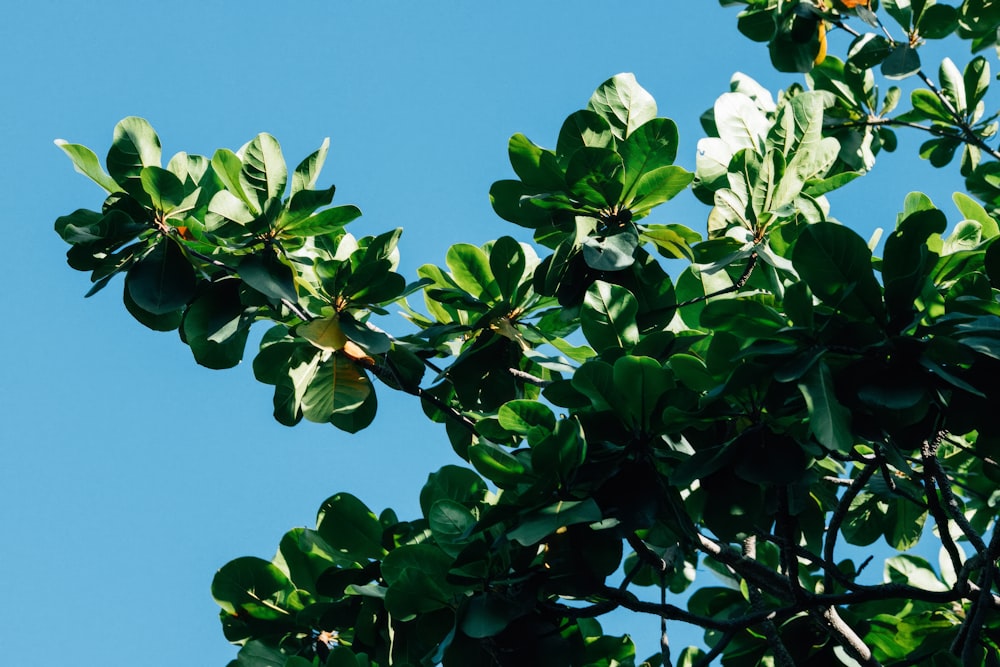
839 514
845 635
928 454
778 649
727 637
529 378
735 287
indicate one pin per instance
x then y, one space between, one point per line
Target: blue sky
130 474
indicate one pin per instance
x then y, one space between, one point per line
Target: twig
928 454
839 514
529 378
735 287
845 635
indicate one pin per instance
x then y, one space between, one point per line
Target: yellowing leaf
325 334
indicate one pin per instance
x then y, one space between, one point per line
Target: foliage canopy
629 400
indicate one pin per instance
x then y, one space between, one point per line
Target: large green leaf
623 103
307 173
347 525
264 272
453 483
560 452
165 190
163 280
652 145
596 176
836 264
263 175
828 420
640 385
338 386
584 128
608 317
470 268
252 586
541 523
216 325
134 146
508 264
536 167
85 162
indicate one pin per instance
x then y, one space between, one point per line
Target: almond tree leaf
829 421
624 104
85 162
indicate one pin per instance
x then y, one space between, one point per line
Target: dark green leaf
347 525
268 275
828 420
836 264
904 61
584 128
134 146
608 317
216 325
163 280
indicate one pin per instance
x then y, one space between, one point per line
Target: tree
628 400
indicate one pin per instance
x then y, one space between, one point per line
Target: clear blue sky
129 474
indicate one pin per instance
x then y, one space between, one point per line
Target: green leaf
651 146
325 222
539 524
904 61
973 210
836 265
228 167
216 325
740 122
495 464
85 162
252 586
913 571
522 416
559 453
163 280
324 333
307 173
953 85
165 190
263 175
611 253
657 186
937 21
470 268
584 128
453 483
608 317
671 241
900 11
976 80
450 522
507 264
488 615
338 386
623 103
596 176
347 525
828 420
264 272
868 50
640 385
535 166
134 146
417 578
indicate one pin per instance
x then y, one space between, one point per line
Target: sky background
129 474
